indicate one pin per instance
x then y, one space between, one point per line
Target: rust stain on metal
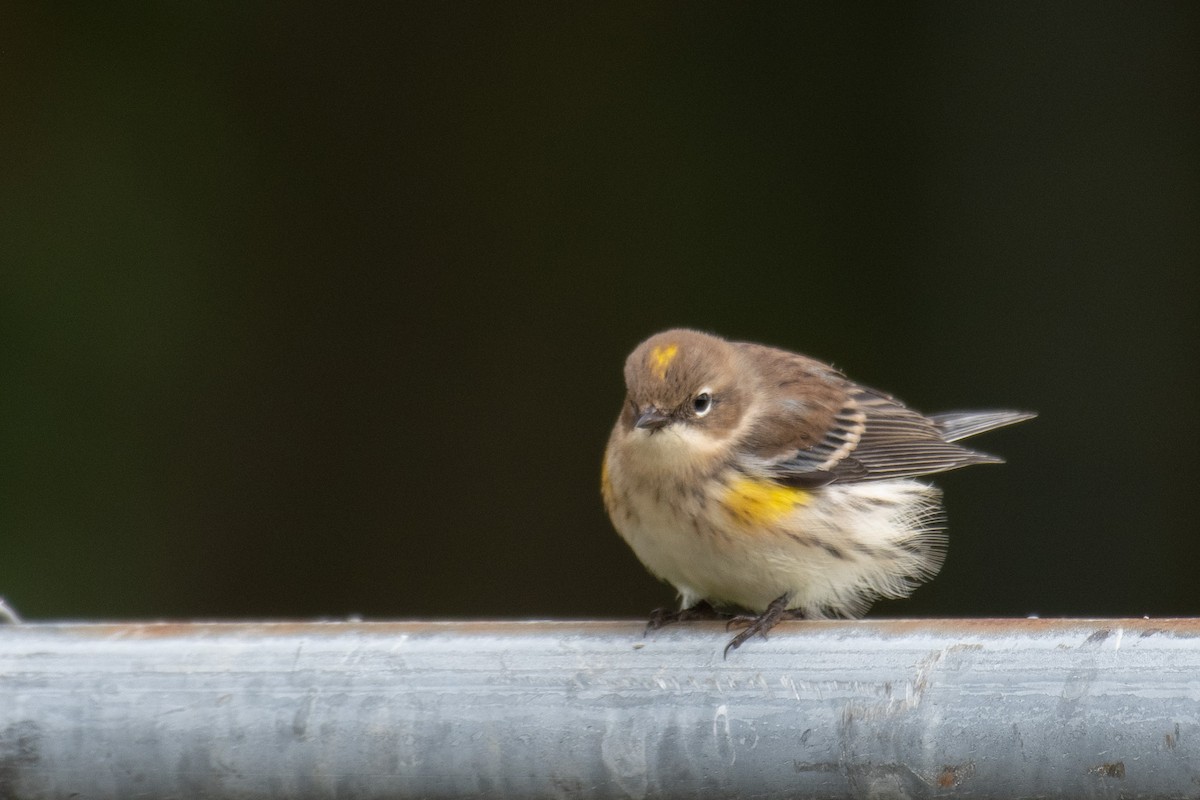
1115 769
954 774
1172 739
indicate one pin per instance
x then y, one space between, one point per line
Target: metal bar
905 708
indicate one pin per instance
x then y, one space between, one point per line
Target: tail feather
956 425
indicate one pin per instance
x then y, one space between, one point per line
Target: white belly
849 545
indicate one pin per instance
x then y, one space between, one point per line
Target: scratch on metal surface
1078 683
914 689
300 718
722 733
623 750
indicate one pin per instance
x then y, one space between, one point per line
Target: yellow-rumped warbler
756 478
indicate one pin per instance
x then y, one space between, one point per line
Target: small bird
756 479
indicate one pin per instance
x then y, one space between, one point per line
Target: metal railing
877 708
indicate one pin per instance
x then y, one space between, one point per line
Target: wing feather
822 428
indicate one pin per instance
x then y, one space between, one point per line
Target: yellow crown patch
661 358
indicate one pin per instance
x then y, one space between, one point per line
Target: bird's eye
702 404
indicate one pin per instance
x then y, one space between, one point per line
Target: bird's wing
816 427
897 442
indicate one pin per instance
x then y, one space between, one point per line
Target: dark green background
322 313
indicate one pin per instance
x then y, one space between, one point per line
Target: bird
766 485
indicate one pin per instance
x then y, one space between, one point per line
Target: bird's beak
652 419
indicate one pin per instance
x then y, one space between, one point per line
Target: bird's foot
759 624
662 616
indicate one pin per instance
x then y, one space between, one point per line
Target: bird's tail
956 425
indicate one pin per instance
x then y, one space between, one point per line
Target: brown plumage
802 479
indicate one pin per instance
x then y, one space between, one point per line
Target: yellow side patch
760 502
661 358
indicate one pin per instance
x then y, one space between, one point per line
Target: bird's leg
662 616
760 624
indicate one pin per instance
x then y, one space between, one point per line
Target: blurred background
322 312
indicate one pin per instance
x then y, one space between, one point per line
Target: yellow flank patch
604 484
661 358
761 502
